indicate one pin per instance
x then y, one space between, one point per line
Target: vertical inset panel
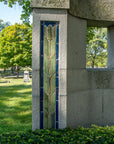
49 81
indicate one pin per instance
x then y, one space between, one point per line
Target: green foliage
90 33
25 16
97 48
3 24
94 135
16 46
25 6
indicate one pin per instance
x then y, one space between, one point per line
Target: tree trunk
4 70
12 69
92 64
93 61
17 71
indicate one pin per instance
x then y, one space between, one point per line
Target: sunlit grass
15 105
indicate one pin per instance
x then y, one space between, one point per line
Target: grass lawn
15 105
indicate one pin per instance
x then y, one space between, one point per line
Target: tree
97 48
16 46
3 24
25 6
90 33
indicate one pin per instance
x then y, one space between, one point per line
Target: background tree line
16 46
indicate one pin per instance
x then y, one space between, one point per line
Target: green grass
15 105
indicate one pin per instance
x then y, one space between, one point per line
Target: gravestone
64 92
26 76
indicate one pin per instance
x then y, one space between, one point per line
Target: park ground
15 104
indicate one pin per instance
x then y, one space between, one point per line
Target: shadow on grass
15 107
12 90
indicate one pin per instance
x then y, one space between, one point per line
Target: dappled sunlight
17 101
9 120
24 91
24 113
15 105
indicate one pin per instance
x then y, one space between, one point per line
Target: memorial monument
64 92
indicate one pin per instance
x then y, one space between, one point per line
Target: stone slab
35 113
89 107
76 47
77 80
84 108
63 82
36 83
93 9
109 107
100 78
36 43
63 4
62 111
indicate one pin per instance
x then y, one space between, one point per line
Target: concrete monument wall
92 101
86 96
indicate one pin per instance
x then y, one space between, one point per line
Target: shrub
93 135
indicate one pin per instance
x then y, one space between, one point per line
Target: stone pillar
111 47
76 72
39 16
72 63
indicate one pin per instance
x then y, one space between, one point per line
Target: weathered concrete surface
50 4
100 79
97 12
90 97
84 108
76 42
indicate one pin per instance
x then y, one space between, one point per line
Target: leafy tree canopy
3 24
90 33
16 46
25 6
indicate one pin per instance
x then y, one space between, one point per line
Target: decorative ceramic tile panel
49 77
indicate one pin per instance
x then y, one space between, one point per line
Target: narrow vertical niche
96 48
49 76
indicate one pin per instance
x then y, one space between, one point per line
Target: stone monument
26 76
64 92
